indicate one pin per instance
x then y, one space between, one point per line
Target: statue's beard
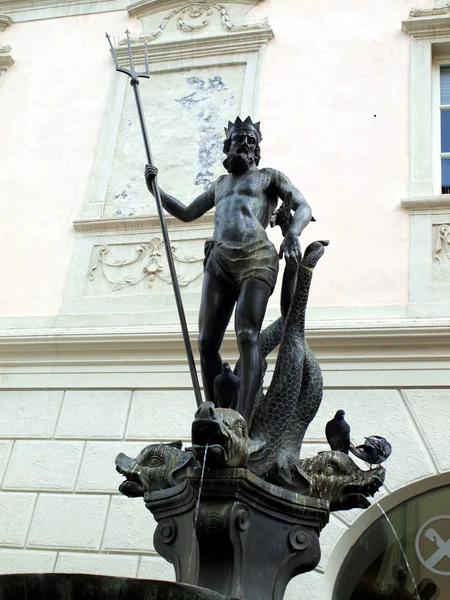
238 162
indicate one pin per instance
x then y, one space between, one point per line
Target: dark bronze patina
252 522
241 264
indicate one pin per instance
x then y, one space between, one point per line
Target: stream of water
400 545
197 508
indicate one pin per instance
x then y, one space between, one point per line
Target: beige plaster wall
329 70
52 103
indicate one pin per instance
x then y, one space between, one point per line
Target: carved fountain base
246 538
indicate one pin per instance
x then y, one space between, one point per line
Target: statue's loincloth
233 262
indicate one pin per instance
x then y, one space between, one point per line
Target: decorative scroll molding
430 12
193 17
442 246
148 254
5 21
142 8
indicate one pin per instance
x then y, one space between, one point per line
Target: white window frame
428 36
436 122
429 32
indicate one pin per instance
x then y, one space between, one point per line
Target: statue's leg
250 310
215 313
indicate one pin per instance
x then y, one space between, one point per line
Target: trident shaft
134 82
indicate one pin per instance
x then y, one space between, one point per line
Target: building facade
353 99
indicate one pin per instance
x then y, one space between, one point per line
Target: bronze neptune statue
241 264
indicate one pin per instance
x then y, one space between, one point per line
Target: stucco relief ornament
430 12
151 254
442 243
6 60
192 17
5 21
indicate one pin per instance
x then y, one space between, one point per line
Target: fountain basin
77 586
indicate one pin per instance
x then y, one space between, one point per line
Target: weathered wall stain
205 101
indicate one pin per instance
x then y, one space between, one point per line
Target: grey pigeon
338 433
226 388
374 451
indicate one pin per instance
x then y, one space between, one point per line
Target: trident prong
131 71
134 82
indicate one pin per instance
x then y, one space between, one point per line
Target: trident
134 82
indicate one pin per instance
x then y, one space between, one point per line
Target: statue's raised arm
193 211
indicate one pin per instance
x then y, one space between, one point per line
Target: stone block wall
59 505
59 502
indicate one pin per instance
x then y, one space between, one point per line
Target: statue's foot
313 253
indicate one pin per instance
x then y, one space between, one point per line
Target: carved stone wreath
151 255
197 10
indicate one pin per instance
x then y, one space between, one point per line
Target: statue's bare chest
249 185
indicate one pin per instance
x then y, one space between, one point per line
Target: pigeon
374 451
338 433
226 388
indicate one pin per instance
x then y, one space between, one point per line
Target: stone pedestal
245 538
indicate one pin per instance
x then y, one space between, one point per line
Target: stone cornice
428 27
373 355
32 10
423 340
5 21
427 203
12 6
139 223
249 40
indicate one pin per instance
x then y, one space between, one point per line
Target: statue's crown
247 124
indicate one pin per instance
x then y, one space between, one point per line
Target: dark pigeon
338 433
374 451
226 388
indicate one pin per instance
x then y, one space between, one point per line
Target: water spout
415 593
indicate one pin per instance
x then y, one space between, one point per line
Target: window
444 120
441 123
428 198
429 31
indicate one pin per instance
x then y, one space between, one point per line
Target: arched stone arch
365 520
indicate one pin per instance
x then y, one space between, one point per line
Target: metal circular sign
433 544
